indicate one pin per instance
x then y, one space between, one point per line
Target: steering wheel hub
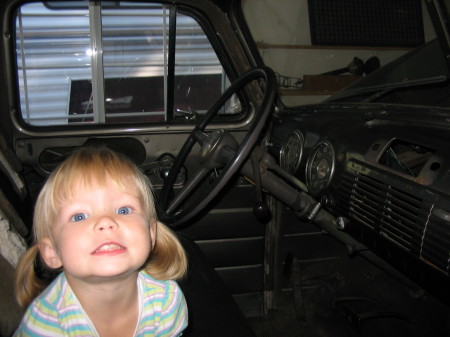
218 149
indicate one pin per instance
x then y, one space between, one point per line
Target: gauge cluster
318 164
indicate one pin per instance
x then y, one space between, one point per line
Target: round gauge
320 167
291 151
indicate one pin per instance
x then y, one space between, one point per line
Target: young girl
95 221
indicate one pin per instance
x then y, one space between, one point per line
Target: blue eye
79 217
124 210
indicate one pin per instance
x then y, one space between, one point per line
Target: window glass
198 77
135 51
87 64
49 62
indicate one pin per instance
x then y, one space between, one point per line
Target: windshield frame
438 11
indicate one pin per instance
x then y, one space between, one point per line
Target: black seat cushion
212 309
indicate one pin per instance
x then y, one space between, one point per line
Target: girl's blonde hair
81 170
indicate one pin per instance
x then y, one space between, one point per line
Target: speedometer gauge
291 151
320 167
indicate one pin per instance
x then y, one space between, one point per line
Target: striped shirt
57 312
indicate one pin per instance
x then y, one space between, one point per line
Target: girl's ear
153 226
49 254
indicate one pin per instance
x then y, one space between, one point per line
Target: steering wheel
218 150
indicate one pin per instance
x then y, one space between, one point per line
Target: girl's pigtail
27 283
168 259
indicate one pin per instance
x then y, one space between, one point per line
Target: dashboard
383 172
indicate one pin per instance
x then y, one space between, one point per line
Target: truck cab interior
299 149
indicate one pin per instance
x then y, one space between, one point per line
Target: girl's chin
103 275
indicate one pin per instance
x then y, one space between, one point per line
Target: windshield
371 51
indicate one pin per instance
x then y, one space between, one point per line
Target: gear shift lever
261 210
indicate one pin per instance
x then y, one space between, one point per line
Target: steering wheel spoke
200 136
187 190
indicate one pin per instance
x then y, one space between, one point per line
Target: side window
123 62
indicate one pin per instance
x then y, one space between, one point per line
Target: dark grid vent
394 214
364 196
384 23
398 216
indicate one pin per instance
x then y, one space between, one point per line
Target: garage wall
281 30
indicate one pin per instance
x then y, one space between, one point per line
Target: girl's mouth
109 248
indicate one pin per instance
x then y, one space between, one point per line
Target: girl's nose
106 223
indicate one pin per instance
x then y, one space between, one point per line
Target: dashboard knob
342 223
262 212
164 172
